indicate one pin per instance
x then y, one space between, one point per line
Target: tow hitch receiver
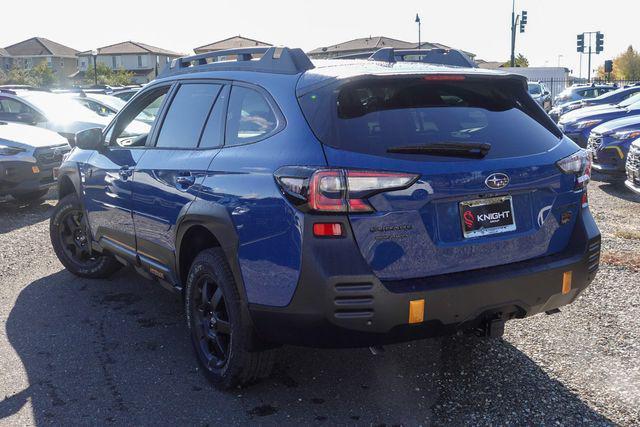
493 328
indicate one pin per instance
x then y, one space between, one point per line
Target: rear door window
375 114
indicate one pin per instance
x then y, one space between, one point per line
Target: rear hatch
487 189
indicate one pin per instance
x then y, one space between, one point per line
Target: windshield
60 108
372 115
112 102
630 101
534 89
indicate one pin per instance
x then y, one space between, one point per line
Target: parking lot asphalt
76 351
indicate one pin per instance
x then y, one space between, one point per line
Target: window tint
249 116
186 117
8 105
136 120
213 136
372 115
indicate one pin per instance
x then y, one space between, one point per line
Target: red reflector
444 77
585 199
327 229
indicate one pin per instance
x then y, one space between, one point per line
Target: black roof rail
279 60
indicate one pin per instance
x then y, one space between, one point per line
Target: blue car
609 98
609 144
633 167
578 124
583 91
332 204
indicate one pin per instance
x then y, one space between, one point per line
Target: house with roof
31 52
370 44
143 60
6 61
235 42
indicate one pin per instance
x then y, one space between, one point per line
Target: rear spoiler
448 57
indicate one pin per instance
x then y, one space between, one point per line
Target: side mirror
27 118
546 92
90 139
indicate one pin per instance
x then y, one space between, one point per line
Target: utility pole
419 23
515 20
581 48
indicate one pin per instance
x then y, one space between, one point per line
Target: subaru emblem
496 181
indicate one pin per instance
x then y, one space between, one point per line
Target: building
369 44
5 60
34 51
143 60
235 42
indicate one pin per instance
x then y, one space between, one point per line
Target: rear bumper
18 177
339 303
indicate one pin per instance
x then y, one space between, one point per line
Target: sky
478 26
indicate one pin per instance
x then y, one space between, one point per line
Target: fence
555 86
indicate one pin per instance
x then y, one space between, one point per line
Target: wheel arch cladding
65 186
207 225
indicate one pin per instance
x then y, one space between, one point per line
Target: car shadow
617 189
117 351
15 215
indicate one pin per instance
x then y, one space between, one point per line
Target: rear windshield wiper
474 150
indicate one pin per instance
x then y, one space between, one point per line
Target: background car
580 92
578 124
55 112
609 144
633 167
612 98
29 158
126 94
102 105
540 94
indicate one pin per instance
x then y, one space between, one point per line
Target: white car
29 158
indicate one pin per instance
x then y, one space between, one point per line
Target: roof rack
432 56
279 60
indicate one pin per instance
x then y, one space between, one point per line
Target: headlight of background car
587 123
5 150
571 107
628 134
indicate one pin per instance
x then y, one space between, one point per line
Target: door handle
185 180
125 172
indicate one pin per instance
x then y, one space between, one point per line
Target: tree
626 66
521 61
42 75
107 76
39 76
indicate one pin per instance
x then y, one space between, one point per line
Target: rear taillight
337 190
585 199
578 164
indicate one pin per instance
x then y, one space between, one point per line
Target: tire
31 196
84 263
226 360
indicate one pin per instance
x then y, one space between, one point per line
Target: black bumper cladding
332 308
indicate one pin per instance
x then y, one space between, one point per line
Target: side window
213 134
136 120
187 114
249 116
8 105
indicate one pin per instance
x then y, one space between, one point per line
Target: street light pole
513 33
419 23
94 53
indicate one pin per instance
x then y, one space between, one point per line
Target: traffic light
599 42
608 66
581 43
523 21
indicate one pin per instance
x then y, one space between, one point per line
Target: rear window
374 114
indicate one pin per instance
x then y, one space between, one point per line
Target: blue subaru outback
332 204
